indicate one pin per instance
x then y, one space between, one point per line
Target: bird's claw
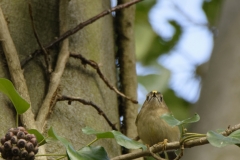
164 144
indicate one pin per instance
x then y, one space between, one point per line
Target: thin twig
180 154
77 28
46 55
90 103
96 67
173 146
155 156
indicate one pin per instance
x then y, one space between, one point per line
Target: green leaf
172 121
99 135
212 9
94 153
235 134
8 89
127 142
119 137
86 153
218 140
39 136
73 154
53 136
192 119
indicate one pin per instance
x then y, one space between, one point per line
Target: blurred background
189 50
174 41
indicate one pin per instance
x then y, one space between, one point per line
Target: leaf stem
191 137
17 120
38 155
39 144
92 142
61 157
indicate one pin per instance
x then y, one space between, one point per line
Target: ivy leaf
127 142
192 119
94 153
8 89
73 154
236 135
172 121
99 135
218 140
53 136
39 136
119 137
86 153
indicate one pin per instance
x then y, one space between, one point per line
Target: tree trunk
95 42
219 101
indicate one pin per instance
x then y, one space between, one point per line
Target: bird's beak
154 93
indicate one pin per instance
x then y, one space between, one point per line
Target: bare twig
100 112
96 67
46 55
77 28
173 146
180 154
155 156
55 78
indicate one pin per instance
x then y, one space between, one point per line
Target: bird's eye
161 98
147 98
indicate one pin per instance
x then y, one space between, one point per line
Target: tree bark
219 101
95 42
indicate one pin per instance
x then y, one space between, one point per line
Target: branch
46 55
77 28
126 56
16 73
15 70
96 67
100 112
55 78
173 146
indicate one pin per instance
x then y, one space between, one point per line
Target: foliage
119 137
172 121
98 152
218 140
214 138
8 89
212 9
149 48
39 136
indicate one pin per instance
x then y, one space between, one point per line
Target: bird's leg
163 143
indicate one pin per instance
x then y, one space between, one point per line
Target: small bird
151 128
